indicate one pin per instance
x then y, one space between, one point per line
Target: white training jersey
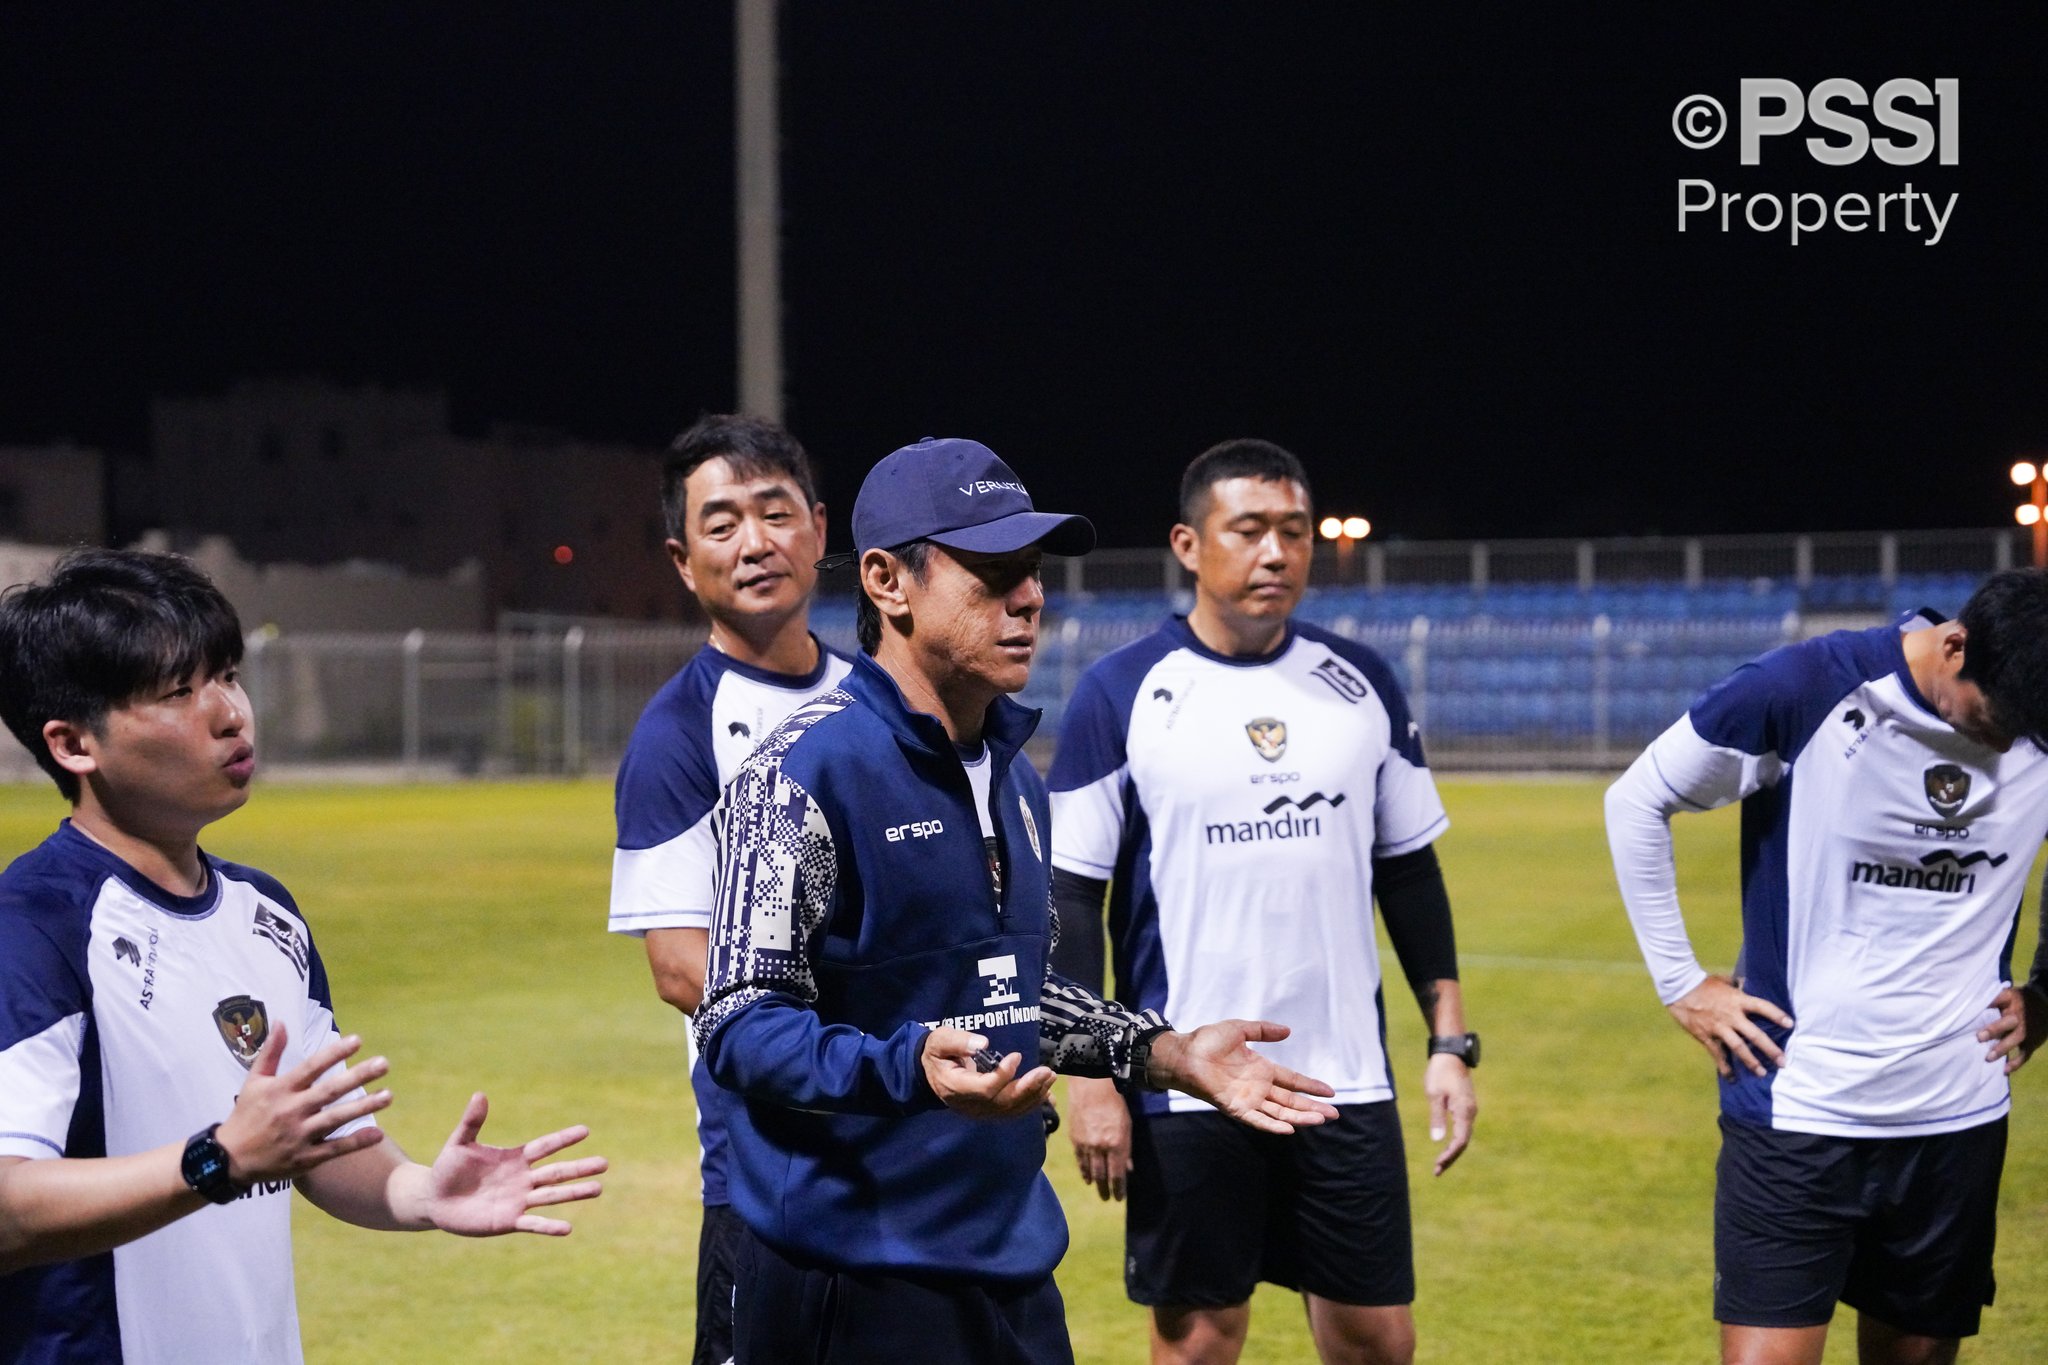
1236 806
1884 857
690 740
129 1018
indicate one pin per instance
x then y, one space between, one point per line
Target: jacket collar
1005 728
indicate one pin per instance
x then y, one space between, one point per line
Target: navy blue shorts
717 1243
1899 1228
1216 1207
786 1312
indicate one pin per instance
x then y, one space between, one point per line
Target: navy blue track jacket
855 912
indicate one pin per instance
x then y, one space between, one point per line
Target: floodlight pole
758 207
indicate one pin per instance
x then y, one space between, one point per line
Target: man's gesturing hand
1100 1127
1717 1012
2021 1024
1213 1063
280 1123
965 1088
478 1191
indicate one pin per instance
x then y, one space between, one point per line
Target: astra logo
916 829
1853 718
1161 694
1940 872
980 486
128 952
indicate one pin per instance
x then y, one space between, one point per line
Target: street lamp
2034 513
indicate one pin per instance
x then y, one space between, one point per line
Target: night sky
1436 254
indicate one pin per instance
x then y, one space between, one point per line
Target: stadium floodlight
1331 527
1356 528
2033 476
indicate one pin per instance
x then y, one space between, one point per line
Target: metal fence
1584 694
1506 652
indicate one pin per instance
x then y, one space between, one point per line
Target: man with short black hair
878 970
745 529
1894 790
149 990
1244 786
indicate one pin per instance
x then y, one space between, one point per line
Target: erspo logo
1913 122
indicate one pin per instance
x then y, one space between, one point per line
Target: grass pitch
463 929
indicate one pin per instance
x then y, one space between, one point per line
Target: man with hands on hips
1894 789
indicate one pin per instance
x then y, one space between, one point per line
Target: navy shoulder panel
46 903
668 779
1775 703
1098 717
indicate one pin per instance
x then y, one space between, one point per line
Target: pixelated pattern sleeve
1081 1034
775 876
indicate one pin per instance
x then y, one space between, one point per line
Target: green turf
463 929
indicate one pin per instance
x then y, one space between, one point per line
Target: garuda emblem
243 1026
1948 787
1268 736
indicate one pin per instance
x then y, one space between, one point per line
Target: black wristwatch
205 1167
1141 1058
1464 1046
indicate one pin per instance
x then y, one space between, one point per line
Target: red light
563 554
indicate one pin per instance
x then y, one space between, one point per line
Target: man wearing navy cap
878 971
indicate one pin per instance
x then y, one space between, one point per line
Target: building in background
53 494
308 472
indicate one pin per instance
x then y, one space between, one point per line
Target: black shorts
787 1312
717 1242
1215 1207
1899 1228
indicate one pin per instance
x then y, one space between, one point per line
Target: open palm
476 1190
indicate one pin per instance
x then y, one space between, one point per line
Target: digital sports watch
205 1168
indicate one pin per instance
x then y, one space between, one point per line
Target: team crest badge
1030 828
1948 787
243 1026
1268 736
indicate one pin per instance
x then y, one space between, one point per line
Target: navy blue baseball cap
956 493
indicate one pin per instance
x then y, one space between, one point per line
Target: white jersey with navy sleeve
1237 805
1884 856
691 739
129 1018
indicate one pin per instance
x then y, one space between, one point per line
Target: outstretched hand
1717 1012
475 1190
1215 1063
